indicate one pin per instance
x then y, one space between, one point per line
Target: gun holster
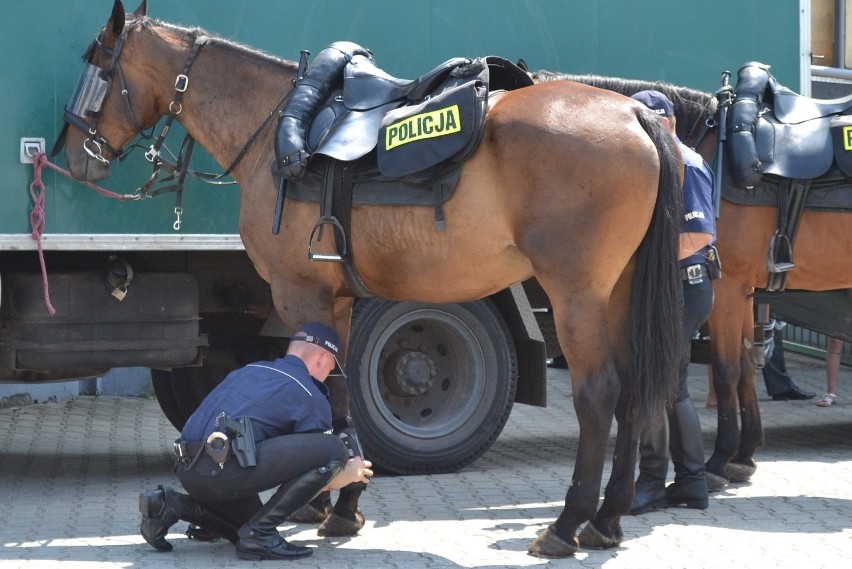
241 435
714 264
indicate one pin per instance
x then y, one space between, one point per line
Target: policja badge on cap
324 336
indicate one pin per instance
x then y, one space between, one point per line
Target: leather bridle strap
175 107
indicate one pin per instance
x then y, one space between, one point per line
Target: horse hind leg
581 327
604 531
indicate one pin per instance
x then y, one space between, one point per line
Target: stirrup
780 243
335 224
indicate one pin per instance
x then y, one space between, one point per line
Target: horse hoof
338 526
308 514
548 544
591 538
715 482
737 472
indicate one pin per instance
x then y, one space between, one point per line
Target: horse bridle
92 89
709 123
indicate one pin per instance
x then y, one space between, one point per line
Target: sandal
827 400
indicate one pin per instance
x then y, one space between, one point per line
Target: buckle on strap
694 273
186 450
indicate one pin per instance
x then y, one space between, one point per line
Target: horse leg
604 531
728 324
742 466
297 303
595 385
345 518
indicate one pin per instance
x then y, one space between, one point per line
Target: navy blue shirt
698 208
280 397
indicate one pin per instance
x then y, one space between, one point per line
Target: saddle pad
831 193
417 137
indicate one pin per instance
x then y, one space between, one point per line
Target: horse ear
115 25
142 10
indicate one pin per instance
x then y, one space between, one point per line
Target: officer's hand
356 470
365 471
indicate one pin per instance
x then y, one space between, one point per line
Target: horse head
103 116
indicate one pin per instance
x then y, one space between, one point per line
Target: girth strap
791 204
336 211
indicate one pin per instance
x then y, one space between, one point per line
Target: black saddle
791 147
365 86
773 130
354 119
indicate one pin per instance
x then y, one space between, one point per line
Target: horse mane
691 105
179 35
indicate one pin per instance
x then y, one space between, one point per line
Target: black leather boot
324 74
163 507
314 512
653 466
687 448
259 538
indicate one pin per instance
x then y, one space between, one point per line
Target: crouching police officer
266 425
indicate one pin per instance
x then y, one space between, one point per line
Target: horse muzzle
85 167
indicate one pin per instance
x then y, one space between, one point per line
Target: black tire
431 386
181 390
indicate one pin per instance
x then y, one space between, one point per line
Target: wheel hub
409 372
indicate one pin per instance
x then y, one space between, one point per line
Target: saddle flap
799 151
343 133
414 138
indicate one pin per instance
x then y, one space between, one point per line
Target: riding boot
324 74
314 512
259 538
650 491
163 507
687 448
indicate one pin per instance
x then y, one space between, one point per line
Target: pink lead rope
37 214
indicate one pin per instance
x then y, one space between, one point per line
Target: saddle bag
743 159
841 136
415 138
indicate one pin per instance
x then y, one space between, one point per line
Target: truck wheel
431 385
181 390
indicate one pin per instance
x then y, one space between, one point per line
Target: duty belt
694 273
187 450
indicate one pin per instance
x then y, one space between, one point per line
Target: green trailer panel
687 43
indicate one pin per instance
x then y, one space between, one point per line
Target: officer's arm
356 470
691 243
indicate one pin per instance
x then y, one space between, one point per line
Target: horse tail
656 291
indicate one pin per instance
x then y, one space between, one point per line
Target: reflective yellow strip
439 122
847 138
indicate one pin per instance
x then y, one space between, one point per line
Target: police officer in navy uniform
678 433
287 406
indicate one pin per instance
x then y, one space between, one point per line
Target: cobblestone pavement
71 472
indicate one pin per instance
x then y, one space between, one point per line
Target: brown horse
576 186
822 262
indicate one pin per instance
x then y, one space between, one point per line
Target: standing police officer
679 431
266 425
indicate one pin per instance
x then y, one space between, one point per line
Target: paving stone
71 472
